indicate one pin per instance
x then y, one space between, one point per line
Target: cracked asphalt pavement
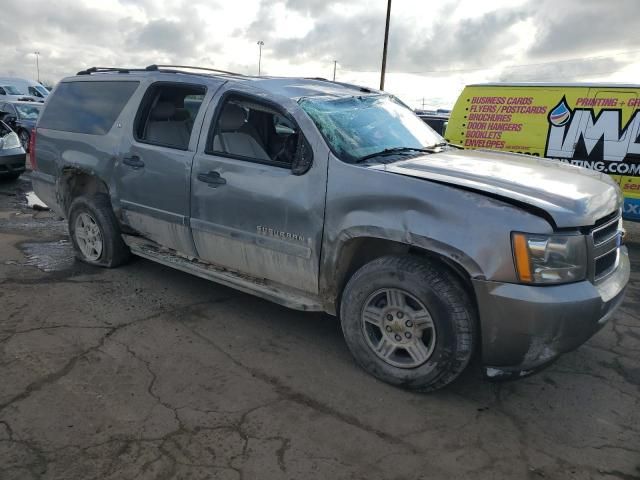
144 372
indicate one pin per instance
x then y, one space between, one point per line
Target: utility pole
335 62
260 44
37 54
384 50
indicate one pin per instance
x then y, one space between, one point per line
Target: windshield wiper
395 150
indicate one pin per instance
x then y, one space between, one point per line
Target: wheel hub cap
88 236
398 328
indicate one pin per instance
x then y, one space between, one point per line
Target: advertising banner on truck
596 127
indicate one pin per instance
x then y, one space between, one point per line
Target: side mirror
10 119
304 157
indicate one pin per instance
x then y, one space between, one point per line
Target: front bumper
12 161
526 327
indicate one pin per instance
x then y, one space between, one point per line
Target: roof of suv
290 87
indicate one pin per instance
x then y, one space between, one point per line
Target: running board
266 289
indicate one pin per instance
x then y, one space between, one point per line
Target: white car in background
27 88
10 92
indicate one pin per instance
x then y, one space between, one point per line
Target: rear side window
86 107
167 113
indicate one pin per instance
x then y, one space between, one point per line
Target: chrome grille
604 247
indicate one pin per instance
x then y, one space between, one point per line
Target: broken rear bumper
525 327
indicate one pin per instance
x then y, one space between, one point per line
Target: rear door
250 213
153 169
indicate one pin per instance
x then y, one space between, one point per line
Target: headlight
10 141
549 258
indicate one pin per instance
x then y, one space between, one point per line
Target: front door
153 171
250 212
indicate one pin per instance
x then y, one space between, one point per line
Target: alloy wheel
398 328
88 236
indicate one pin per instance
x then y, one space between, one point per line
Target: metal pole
335 62
37 65
384 50
260 44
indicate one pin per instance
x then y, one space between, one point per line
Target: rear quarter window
86 107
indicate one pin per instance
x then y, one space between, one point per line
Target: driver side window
250 130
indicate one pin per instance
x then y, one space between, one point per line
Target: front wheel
408 322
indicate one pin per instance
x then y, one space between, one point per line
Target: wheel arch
75 181
356 251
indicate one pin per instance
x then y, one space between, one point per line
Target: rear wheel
409 322
95 232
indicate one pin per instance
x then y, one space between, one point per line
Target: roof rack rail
216 70
154 68
344 84
91 70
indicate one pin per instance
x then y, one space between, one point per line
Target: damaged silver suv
332 197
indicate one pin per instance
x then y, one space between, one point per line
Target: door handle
133 161
212 178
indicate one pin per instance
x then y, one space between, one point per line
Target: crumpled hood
572 196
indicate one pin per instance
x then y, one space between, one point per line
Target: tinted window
167 113
438 124
11 90
43 91
34 92
251 130
86 107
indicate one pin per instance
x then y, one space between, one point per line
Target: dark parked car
12 156
436 120
21 117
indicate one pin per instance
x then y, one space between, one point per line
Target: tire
96 214
24 139
406 301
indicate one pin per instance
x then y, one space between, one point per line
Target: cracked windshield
359 126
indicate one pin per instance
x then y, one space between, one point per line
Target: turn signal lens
521 253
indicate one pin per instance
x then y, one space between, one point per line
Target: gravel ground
144 372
